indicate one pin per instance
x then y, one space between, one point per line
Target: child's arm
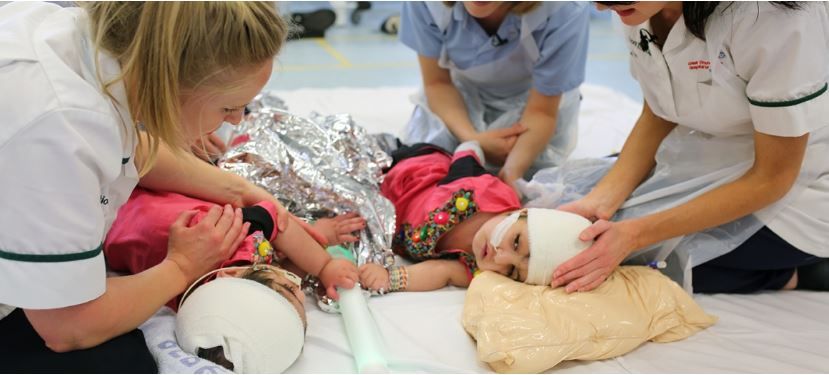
311 257
424 276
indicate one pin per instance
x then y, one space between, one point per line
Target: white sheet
605 119
159 332
777 332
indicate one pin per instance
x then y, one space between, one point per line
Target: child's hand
374 277
338 230
338 273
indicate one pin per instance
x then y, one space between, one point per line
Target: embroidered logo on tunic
699 65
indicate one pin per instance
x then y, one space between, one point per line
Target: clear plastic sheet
667 187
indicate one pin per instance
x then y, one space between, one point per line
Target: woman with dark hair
733 136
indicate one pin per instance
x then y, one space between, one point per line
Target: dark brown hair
696 13
216 355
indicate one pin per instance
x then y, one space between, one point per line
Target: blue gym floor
359 55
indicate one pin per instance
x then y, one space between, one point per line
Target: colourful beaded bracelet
398 279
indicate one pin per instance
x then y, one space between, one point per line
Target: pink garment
139 236
426 210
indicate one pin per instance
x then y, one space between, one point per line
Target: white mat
770 332
776 332
781 332
605 119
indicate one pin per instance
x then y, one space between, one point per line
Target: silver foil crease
317 166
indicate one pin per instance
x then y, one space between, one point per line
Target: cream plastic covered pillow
522 328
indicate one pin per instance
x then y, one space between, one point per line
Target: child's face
511 255
282 282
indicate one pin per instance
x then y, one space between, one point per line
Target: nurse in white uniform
733 137
79 86
503 73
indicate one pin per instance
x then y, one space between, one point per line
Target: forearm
128 302
447 103
540 125
305 252
436 274
444 99
186 174
637 158
746 195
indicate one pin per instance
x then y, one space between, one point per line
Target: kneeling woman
734 127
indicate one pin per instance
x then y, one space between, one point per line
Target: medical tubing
363 336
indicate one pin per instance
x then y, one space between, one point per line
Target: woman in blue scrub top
505 74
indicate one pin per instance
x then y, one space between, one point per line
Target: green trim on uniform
789 103
51 258
125 160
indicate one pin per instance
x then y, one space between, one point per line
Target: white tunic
761 69
65 156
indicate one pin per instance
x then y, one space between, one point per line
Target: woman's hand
374 277
592 207
340 229
209 147
613 242
338 273
497 143
199 248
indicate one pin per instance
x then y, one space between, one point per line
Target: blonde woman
505 74
95 100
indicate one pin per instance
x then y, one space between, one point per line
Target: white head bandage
501 229
554 238
259 329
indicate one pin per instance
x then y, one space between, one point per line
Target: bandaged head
553 239
259 330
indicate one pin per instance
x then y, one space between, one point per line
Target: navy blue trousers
23 351
764 261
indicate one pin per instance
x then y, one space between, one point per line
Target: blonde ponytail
166 47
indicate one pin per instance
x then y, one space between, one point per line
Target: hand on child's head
502 246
